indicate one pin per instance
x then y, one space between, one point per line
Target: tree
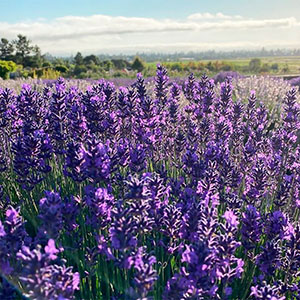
226 67
210 66
7 67
46 64
35 60
6 49
285 69
120 64
78 59
176 67
265 68
79 69
91 59
254 64
138 64
61 68
23 48
107 65
37 55
275 67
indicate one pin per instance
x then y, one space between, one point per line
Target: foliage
138 64
78 59
61 68
275 67
7 67
6 49
254 64
22 47
29 56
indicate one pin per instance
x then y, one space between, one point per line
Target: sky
63 27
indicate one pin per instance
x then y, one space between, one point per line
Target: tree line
21 58
25 59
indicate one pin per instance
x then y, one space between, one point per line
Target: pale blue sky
20 10
60 26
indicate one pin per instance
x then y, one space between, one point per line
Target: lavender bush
269 90
295 82
149 192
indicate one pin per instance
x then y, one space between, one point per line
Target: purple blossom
231 218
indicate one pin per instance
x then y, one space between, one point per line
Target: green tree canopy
79 69
23 48
275 67
35 60
7 67
78 59
138 64
6 49
254 64
120 64
90 59
107 65
61 68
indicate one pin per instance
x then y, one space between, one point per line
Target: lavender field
170 189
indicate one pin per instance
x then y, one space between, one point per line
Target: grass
287 65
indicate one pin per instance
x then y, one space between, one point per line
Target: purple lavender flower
161 81
190 88
276 225
231 218
269 259
43 277
137 158
57 116
123 229
31 154
145 274
96 161
73 162
51 216
100 203
13 237
193 280
251 227
266 291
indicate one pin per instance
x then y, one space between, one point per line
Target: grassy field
288 65
292 62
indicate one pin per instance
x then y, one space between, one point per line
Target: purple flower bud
231 218
51 250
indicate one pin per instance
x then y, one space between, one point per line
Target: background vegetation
20 58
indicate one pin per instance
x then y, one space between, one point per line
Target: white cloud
209 16
177 47
100 33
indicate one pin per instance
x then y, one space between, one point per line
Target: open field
286 66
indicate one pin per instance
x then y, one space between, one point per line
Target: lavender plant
160 191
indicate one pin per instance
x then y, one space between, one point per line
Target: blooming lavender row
269 90
129 193
82 84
